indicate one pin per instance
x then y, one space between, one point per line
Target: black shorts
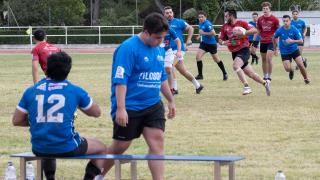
244 54
264 47
211 48
254 43
80 150
289 57
150 117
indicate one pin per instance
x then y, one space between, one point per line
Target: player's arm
251 31
211 33
34 71
305 29
165 90
275 42
20 118
178 43
93 111
190 30
121 114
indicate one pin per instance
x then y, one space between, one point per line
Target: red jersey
234 43
41 52
267 26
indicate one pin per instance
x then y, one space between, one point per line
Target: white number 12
51 100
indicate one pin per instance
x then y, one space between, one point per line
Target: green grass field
277 132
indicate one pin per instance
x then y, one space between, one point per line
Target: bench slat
143 157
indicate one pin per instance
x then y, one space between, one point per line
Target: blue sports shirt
171 35
283 34
178 25
250 37
206 26
141 68
300 25
50 106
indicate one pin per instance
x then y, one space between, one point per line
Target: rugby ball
239 30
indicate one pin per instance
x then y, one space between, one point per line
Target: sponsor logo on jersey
119 72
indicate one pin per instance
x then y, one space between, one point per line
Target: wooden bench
132 159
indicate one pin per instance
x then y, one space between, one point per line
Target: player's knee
168 70
236 68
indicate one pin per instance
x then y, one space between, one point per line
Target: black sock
221 66
49 168
91 171
199 65
255 56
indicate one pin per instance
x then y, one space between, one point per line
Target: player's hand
275 52
179 55
172 110
289 41
198 37
201 31
189 43
121 117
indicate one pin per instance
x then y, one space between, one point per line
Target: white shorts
170 56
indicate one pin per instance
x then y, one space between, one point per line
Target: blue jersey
51 106
178 25
300 25
171 35
141 68
250 37
283 34
206 26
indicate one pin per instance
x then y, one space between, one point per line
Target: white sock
195 83
266 75
98 177
174 84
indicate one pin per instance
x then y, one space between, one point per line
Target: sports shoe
291 74
246 90
199 89
199 77
267 86
307 81
305 62
225 77
174 91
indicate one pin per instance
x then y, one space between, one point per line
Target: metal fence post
66 34
99 35
132 30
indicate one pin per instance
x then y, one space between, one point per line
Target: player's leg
214 54
263 52
269 56
49 168
200 54
237 64
303 70
168 61
253 75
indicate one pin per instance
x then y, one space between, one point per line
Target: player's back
41 53
51 106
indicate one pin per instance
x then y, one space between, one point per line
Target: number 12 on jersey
58 101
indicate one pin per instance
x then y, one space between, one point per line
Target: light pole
180 9
91 12
137 12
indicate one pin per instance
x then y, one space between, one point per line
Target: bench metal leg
231 171
117 166
23 168
217 170
39 175
133 167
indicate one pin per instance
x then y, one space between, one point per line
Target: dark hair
202 13
155 23
286 16
231 12
58 66
295 10
39 35
265 4
255 13
167 7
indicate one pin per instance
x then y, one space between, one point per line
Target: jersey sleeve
34 53
183 24
277 33
23 103
85 101
297 34
277 23
303 25
259 25
245 25
123 64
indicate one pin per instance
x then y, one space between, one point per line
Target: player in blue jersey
301 26
254 39
289 38
48 108
138 77
170 55
208 43
179 26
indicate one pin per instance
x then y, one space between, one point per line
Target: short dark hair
295 10
58 66
155 23
255 13
286 16
167 7
232 12
265 4
39 35
202 13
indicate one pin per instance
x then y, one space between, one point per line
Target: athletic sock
91 171
195 83
221 66
200 66
174 84
49 168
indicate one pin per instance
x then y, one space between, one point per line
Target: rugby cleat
246 90
199 89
